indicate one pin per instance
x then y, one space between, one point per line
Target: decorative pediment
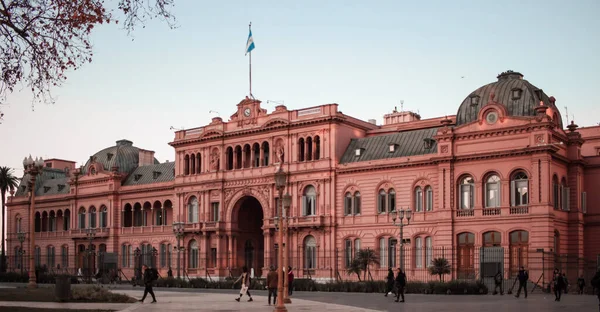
276 122
211 134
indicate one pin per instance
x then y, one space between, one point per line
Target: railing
491 211
307 221
519 210
465 213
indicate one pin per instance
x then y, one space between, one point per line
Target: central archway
250 242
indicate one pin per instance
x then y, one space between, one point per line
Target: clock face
492 117
247 112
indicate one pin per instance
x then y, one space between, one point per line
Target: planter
62 289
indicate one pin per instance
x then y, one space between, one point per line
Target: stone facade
502 173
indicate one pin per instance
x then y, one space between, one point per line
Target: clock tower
248 110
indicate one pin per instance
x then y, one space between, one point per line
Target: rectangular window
357 204
466 199
309 205
215 211
391 202
418 200
82 221
392 243
131 256
64 260
419 252
428 252
565 198
163 255
348 252
429 199
493 195
555 196
213 257
124 256
347 205
584 202
383 260
381 203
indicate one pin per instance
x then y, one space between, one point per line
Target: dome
123 155
516 94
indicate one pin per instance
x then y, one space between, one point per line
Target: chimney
145 157
373 121
400 117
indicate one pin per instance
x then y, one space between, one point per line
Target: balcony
465 213
519 210
212 225
496 211
82 233
307 221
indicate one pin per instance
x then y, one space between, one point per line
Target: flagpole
250 64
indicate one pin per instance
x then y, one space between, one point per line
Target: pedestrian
290 280
558 283
522 278
498 283
581 284
400 283
389 286
149 277
170 272
245 278
272 284
596 284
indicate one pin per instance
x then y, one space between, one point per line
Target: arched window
93 217
67 220
492 191
50 261
428 251
418 252
52 222
418 199
309 148
466 187
82 218
125 255
348 204
381 201
158 213
194 254
186 165
491 239
564 194
519 189
38 256
357 203
64 256
349 255
310 252
256 155
309 201
519 250
103 217
317 143
266 153
44 221
18 223
238 157
193 163
301 149
193 210
165 255
38 222
466 255
428 198
555 193
229 152
247 156
198 163
391 200
383 251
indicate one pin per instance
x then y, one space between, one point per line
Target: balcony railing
465 213
491 211
519 210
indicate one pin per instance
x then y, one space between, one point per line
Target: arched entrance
250 241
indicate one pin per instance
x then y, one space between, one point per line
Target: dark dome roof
123 155
509 81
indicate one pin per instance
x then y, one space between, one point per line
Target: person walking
389 286
558 283
272 284
148 279
290 280
498 283
245 278
522 278
596 284
400 283
581 284
170 272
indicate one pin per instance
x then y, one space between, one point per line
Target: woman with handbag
245 278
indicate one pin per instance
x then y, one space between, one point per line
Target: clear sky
364 55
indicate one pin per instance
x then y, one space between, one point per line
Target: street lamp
287 200
21 238
91 234
400 215
33 168
280 181
178 230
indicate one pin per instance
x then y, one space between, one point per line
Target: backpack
153 274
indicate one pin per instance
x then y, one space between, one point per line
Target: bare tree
41 40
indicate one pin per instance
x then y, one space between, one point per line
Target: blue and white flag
249 43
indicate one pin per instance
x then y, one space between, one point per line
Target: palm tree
7 182
355 268
366 257
439 266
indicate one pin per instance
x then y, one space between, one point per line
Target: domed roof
518 96
123 155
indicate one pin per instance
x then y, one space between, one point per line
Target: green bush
98 294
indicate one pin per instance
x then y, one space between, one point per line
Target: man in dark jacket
148 279
389 282
400 283
272 284
498 283
581 284
523 277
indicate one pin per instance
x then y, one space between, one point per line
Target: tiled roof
151 174
406 143
50 182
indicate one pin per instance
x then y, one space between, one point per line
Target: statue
214 161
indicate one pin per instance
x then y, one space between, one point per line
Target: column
262 156
267 245
235 159
244 164
314 149
252 156
230 251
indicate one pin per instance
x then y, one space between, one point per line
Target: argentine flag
249 43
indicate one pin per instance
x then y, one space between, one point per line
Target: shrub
98 294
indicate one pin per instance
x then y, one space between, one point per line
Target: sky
367 56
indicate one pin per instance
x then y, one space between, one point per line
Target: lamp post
178 229
287 200
400 215
91 234
280 181
21 238
33 168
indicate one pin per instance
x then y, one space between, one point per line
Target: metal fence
465 263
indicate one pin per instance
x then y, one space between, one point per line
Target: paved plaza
223 300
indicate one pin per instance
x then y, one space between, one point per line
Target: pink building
499 185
